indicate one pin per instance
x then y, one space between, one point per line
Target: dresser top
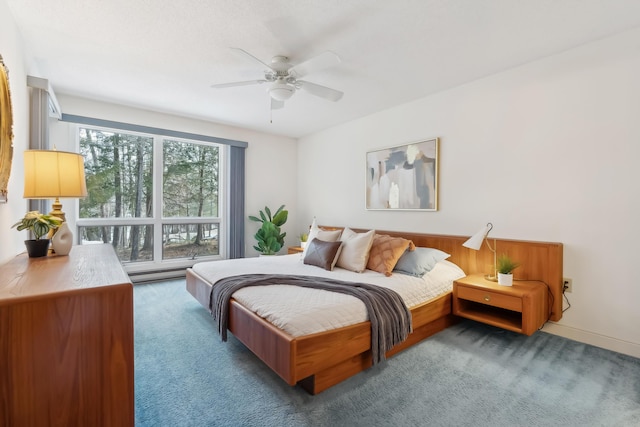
86 267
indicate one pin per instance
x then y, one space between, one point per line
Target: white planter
303 245
505 279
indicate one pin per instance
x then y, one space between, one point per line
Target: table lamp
51 174
475 242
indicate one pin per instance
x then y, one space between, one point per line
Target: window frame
157 220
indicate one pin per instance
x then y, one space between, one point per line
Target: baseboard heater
155 276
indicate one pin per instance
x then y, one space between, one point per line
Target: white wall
270 160
12 51
547 151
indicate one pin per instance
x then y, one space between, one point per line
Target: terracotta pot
37 248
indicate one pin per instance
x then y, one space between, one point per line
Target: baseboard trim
603 341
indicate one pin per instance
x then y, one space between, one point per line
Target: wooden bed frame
321 360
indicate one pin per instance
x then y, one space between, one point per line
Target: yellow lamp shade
50 174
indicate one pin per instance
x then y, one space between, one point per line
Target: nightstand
294 250
523 307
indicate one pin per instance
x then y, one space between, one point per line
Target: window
156 199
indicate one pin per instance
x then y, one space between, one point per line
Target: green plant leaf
280 218
505 265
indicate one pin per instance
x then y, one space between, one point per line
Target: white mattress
302 311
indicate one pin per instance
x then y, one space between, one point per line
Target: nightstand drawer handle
487 298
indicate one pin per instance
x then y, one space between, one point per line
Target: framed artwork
404 177
6 131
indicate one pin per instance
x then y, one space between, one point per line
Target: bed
319 360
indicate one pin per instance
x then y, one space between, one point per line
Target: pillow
355 250
420 261
385 252
322 254
326 235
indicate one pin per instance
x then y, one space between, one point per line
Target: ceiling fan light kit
281 91
284 76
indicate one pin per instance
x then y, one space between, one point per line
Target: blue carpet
468 375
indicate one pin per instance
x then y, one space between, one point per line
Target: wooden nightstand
523 307
294 250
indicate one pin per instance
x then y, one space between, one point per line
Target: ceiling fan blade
324 60
321 91
234 84
251 57
276 105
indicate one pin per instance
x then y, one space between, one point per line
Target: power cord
551 297
564 295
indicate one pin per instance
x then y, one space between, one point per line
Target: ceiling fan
284 77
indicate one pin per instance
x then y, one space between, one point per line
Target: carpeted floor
468 375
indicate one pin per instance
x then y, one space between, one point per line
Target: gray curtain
236 202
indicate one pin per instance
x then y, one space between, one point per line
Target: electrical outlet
568 284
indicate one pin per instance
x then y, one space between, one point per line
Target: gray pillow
419 261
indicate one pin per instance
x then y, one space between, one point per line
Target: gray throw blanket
389 316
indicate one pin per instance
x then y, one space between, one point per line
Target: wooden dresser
66 340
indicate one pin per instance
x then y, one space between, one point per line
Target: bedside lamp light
475 242
51 174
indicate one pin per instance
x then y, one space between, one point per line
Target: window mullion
158 170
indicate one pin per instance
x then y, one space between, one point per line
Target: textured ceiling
164 55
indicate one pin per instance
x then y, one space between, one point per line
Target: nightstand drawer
488 297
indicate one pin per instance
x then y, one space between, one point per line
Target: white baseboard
609 343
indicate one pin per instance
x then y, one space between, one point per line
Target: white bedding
302 311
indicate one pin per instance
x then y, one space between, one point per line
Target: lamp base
56 210
490 278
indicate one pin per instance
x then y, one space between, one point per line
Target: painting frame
6 131
403 177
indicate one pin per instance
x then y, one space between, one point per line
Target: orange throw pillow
386 251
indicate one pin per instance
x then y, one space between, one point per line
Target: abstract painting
404 177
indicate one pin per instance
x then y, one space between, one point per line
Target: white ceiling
163 55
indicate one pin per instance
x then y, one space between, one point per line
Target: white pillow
326 235
355 250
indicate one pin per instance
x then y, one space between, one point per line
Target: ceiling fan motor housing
280 64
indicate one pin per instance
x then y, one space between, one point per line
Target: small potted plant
269 238
40 225
505 266
303 239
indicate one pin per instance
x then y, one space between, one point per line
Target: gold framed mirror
6 131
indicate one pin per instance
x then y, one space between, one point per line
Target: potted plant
505 265
303 239
269 238
40 225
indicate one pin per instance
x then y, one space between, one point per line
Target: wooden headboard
538 260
